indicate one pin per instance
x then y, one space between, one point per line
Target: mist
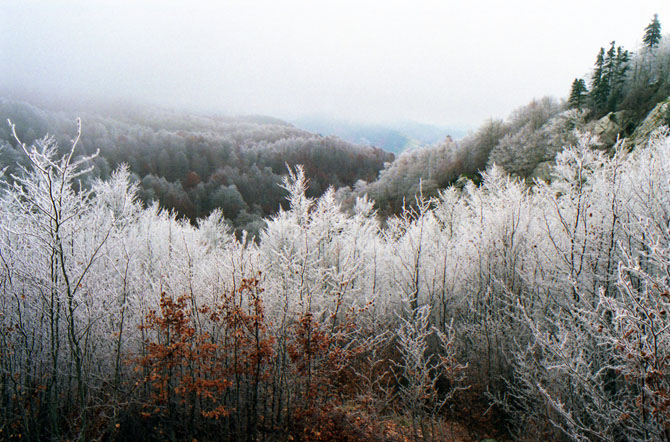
449 63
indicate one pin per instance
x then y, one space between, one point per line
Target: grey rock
658 117
542 171
610 126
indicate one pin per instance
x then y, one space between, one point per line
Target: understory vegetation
547 303
516 282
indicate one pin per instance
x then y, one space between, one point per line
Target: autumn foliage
216 372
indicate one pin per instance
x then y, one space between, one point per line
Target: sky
451 63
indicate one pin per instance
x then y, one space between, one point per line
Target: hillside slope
195 164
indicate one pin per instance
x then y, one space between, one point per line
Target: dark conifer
599 83
652 33
608 78
578 93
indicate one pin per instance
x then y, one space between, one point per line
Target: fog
444 62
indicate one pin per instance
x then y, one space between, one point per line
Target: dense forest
195 164
624 88
516 282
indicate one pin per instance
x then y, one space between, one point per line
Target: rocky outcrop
659 116
542 172
609 127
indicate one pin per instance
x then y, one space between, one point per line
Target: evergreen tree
578 93
599 83
619 68
608 78
652 33
609 64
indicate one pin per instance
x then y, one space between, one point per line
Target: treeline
193 164
548 304
531 136
622 90
629 84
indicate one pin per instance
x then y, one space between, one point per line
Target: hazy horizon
444 63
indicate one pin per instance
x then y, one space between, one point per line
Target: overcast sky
447 62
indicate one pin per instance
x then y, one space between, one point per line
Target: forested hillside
548 303
194 164
515 284
622 90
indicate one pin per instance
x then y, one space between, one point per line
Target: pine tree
652 33
608 77
578 93
599 83
619 68
609 65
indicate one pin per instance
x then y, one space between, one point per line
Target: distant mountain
394 137
429 133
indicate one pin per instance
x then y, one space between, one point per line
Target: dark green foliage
608 79
599 85
617 75
652 33
578 93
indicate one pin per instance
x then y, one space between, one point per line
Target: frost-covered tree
528 142
55 239
422 368
550 300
